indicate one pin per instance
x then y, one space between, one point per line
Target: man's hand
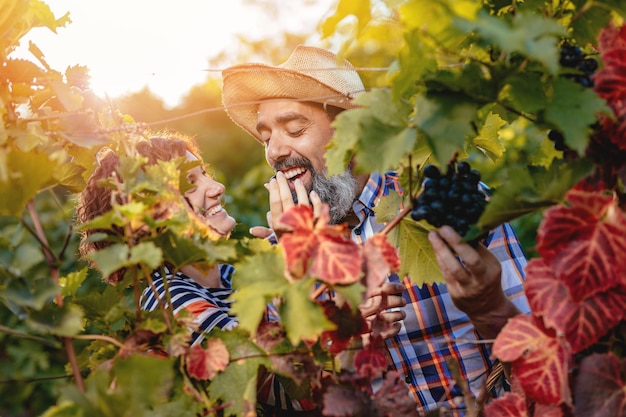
281 200
473 277
381 312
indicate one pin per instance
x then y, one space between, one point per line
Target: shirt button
407 379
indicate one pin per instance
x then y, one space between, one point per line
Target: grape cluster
573 57
452 199
557 138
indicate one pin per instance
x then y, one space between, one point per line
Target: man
289 109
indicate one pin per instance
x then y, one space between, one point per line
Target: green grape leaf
72 281
65 320
259 278
237 385
437 17
111 258
353 294
146 253
415 60
340 149
22 176
382 148
101 305
416 253
524 91
64 409
26 256
379 123
445 119
70 176
573 109
303 319
33 293
533 35
387 208
184 251
529 190
488 139
586 28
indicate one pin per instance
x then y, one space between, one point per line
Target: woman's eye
296 133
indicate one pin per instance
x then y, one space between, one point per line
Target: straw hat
310 74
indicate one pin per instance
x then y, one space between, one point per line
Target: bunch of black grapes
452 199
585 67
573 57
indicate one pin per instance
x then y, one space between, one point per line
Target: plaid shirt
434 329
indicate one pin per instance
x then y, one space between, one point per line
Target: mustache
292 162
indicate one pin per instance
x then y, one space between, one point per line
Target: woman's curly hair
96 200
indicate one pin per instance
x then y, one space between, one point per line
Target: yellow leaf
488 139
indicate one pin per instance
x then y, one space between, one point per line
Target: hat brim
248 84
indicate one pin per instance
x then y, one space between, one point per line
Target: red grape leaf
298 245
326 249
336 259
269 335
509 405
538 360
585 243
381 258
204 363
370 362
543 410
393 397
296 366
349 323
583 322
599 388
345 401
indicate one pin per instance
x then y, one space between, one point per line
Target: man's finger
260 231
301 194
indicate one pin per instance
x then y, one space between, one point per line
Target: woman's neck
209 278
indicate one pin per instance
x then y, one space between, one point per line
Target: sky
162 44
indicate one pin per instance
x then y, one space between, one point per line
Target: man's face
295 135
293 132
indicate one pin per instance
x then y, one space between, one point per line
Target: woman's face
205 199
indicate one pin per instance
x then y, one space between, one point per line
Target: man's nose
276 149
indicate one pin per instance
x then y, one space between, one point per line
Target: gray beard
338 191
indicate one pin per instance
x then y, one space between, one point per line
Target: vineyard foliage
476 80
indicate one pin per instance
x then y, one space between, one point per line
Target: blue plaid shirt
434 330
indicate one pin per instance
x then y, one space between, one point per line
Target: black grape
557 138
453 199
573 57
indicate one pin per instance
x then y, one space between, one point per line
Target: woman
201 292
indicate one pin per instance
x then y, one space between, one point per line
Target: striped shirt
209 307
434 329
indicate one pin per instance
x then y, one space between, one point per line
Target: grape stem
394 222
